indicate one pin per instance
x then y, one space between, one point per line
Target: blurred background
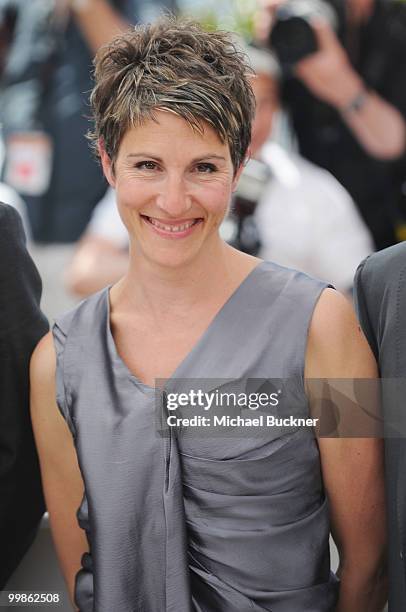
325 185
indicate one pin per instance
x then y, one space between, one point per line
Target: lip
171 234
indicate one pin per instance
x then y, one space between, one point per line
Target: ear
106 163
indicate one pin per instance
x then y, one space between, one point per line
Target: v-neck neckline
111 343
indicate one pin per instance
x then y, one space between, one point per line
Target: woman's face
173 188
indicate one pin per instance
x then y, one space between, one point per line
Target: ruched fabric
198 523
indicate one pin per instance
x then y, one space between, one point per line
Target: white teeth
171 228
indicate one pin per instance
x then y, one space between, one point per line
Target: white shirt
308 221
106 222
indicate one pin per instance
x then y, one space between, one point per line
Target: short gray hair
175 65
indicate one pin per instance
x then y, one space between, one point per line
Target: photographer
306 220
348 102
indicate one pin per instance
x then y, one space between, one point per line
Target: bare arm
352 467
97 262
378 126
98 20
63 485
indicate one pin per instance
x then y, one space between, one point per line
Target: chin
170 259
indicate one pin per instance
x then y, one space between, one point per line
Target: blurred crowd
326 182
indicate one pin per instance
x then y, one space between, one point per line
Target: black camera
239 228
292 37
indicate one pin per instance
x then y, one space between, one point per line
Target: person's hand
327 73
98 20
264 17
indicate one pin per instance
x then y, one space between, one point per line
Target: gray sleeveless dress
198 523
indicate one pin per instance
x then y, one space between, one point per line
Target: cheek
132 195
215 198
131 198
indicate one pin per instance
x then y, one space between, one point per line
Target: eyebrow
197 159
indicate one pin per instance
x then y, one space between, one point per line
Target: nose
174 199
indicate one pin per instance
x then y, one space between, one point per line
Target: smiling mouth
173 227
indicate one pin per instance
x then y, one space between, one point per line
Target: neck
161 292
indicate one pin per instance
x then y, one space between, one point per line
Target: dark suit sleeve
21 326
362 281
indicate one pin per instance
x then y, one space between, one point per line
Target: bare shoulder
337 347
43 363
52 434
45 413
333 317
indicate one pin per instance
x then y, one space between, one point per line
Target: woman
197 522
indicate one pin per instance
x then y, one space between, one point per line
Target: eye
206 168
146 165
